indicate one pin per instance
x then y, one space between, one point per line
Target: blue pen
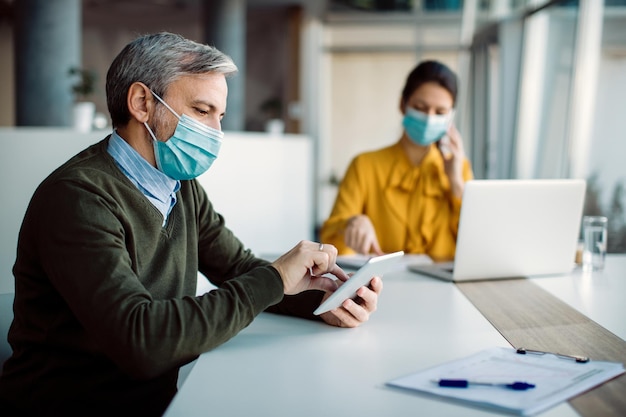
464 383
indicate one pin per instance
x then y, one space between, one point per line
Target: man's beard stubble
162 124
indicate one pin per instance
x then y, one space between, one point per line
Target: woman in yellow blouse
407 196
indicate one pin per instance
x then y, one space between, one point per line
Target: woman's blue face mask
424 129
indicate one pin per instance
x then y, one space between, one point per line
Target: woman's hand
453 159
360 235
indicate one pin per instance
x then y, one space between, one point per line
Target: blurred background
543 83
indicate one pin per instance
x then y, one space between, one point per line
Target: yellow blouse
411 207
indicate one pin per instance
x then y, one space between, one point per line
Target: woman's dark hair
430 71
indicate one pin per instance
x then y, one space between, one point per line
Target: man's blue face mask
190 151
424 129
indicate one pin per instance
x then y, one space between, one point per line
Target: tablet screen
376 266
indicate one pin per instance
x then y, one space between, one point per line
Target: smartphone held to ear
444 143
444 146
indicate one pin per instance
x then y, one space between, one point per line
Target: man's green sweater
105 305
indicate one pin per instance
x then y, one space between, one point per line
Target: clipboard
555 377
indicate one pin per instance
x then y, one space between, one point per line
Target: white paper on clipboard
556 379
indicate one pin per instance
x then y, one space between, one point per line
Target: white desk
601 296
283 366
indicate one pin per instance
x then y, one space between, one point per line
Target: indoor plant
84 109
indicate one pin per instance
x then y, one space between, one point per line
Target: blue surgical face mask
424 129
190 151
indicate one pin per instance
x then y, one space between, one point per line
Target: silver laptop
514 228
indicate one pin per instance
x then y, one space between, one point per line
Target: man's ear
140 101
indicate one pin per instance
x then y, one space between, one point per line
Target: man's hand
303 267
353 313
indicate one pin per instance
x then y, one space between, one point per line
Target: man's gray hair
157 60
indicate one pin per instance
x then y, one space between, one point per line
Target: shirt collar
149 179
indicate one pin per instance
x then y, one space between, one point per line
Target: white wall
261 184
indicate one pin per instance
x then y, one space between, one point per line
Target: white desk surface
601 296
283 366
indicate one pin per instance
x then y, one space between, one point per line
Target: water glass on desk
594 242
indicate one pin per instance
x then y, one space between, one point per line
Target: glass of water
594 242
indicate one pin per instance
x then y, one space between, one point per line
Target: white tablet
376 266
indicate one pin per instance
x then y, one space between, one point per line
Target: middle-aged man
110 246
